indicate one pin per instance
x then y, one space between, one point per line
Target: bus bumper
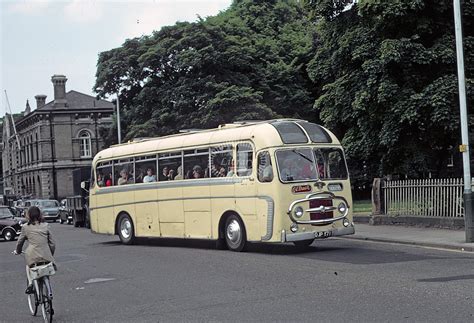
334 232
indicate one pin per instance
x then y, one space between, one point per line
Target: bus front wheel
125 229
235 236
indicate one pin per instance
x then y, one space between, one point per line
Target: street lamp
464 148
119 133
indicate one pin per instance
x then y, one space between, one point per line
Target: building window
85 144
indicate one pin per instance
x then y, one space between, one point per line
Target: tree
248 62
387 85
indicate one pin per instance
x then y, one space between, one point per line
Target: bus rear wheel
125 229
234 232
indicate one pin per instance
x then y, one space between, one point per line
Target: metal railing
424 197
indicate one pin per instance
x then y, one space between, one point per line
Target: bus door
265 191
245 188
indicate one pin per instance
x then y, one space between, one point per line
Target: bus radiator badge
301 189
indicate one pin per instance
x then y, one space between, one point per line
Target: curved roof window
290 133
316 133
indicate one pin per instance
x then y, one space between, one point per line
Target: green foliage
245 63
380 74
386 75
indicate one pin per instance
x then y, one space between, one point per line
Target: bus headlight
342 207
298 212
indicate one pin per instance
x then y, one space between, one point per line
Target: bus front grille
320 215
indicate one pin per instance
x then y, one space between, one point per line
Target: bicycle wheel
46 300
32 301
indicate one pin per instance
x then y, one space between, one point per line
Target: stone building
54 140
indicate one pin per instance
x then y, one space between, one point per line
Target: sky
40 38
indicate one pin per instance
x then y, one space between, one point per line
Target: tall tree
248 62
386 76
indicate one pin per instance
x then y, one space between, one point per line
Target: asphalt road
336 280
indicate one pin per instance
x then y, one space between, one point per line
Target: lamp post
119 132
464 148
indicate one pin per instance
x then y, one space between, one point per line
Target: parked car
65 214
49 209
10 227
19 207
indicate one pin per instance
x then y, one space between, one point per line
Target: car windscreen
46 204
5 213
296 164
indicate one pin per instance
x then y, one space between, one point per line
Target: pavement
427 237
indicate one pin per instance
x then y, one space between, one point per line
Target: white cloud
157 14
83 10
28 7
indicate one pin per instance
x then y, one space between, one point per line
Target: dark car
65 215
10 227
49 209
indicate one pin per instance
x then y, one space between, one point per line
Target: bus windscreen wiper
297 152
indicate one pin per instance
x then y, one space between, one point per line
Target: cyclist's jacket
41 243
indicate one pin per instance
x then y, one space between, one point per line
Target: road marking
98 280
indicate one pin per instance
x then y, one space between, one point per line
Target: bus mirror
85 186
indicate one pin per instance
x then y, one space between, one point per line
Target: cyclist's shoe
29 289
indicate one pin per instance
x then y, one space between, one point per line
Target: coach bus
273 181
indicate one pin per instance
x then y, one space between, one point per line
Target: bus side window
244 159
145 169
221 161
265 170
104 174
124 172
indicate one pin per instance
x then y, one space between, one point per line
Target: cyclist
41 245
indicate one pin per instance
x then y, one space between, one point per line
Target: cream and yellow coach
264 181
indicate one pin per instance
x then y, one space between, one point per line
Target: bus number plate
322 234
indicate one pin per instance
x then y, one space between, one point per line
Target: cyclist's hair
34 215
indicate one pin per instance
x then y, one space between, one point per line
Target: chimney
59 83
40 100
27 109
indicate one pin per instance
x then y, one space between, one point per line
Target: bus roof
263 134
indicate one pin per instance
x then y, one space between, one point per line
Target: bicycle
42 292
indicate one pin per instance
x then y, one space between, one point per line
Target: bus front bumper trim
335 232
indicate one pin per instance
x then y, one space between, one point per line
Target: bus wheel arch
125 228
232 232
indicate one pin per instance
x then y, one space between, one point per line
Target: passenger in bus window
149 177
180 173
140 176
197 171
124 177
108 180
171 175
164 176
100 180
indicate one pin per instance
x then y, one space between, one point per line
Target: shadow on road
263 248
